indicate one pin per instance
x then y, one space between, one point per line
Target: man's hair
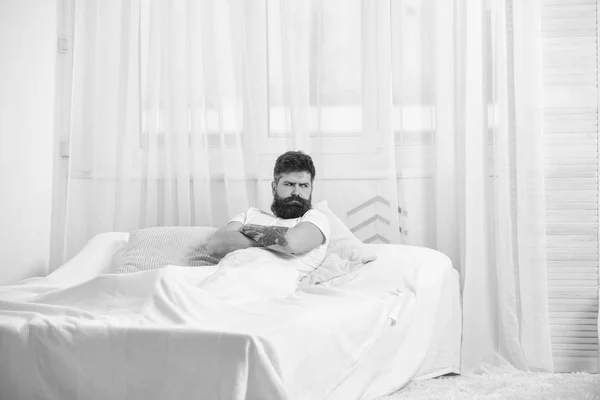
293 161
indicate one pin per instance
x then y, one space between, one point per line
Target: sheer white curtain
422 118
489 179
159 90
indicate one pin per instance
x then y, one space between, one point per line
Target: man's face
292 195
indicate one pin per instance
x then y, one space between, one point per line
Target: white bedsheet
206 333
424 340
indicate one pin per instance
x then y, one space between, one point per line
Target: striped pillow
154 248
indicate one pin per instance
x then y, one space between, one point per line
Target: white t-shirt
304 263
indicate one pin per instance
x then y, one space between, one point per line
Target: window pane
335 64
313 45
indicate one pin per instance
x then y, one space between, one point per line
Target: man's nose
295 189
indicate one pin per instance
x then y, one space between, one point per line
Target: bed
86 332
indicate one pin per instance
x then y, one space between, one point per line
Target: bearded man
294 231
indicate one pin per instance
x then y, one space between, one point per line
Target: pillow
154 248
345 253
100 255
340 235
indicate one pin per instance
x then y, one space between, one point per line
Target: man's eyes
302 185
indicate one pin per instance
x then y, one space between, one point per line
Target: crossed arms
302 238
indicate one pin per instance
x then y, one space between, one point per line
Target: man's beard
293 206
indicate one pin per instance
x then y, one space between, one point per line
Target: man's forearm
225 242
271 237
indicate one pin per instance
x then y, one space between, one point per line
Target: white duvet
237 331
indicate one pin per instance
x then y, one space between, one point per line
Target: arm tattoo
268 236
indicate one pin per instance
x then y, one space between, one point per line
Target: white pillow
100 255
340 236
345 253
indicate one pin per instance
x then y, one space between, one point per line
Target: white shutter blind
570 48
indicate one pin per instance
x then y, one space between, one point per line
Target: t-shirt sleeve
241 217
320 220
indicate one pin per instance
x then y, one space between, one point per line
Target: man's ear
273 186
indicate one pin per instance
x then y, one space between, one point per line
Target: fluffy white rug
522 386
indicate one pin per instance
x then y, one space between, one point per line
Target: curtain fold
423 118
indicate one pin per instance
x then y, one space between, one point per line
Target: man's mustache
295 197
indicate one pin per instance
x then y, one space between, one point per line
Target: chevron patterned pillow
154 248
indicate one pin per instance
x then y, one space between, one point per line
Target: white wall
27 79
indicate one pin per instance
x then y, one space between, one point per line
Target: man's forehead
301 177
